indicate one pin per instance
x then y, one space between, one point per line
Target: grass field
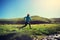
37 29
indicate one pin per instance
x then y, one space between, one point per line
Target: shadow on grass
15 36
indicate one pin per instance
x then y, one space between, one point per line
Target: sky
20 8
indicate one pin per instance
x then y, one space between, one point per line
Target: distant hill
38 18
35 20
55 20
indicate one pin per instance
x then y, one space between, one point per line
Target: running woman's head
28 15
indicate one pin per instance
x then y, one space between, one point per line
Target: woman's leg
24 25
30 25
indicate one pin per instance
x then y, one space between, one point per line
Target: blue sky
19 8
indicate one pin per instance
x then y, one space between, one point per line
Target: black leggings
26 24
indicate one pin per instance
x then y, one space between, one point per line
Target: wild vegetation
34 20
9 28
37 30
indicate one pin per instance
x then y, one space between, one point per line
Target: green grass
37 29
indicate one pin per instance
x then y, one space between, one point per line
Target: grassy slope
37 29
34 18
11 32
